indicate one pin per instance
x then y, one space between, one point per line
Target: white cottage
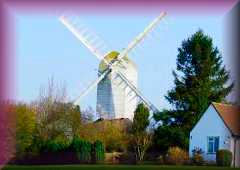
218 128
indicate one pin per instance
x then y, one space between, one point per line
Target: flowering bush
197 157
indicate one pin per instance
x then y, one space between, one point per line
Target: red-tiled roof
230 114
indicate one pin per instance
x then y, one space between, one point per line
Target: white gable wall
237 150
210 124
237 163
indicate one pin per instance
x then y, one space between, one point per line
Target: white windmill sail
141 36
138 93
89 39
86 36
90 43
91 86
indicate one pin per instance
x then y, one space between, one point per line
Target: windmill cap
111 56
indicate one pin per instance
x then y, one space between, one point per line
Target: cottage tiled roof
230 114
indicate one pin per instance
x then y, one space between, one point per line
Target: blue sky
45 49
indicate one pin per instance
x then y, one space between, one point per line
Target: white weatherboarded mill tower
115 98
117 93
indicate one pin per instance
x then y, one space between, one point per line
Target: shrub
98 151
176 156
54 146
85 152
113 158
115 145
113 133
127 158
224 157
197 158
82 148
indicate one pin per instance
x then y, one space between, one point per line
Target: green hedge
85 151
82 148
98 152
224 157
54 146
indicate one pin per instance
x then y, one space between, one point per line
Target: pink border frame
8 8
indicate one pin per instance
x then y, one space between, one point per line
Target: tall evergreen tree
200 78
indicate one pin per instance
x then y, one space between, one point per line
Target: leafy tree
200 79
56 119
73 118
25 127
141 138
170 136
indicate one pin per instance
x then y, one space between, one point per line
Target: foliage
87 115
98 152
85 152
141 139
50 125
140 120
54 146
73 119
200 78
56 119
37 145
113 133
114 145
171 136
197 158
62 121
82 148
46 125
176 156
25 127
224 157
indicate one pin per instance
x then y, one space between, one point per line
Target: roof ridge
226 104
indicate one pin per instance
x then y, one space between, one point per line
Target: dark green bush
82 148
224 157
85 152
54 146
98 151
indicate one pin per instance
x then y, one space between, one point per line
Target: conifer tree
200 78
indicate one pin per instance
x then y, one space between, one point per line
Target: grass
112 167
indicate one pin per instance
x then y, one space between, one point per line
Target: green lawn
112 167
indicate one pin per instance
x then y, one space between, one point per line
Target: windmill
117 93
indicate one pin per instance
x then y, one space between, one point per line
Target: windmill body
115 99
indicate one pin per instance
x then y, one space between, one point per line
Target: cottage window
213 144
